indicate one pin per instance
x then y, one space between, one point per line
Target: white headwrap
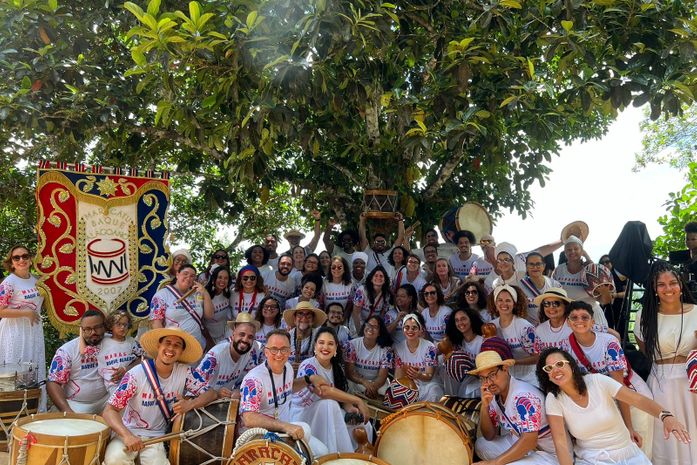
411 316
359 256
573 240
507 288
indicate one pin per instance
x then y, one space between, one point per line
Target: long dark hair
481 295
440 298
260 311
386 294
248 254
411 292
210 287
384 338
319 271
547 385
565 305
454 335
314 278
649 313
337 360
405 255
346 276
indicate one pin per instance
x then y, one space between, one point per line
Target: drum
468 409
16 376
260 447
15 399
471 217
380 203
348 459
59 439
212 434
400 393
423 434
594 276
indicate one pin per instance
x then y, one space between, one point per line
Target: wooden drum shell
11 409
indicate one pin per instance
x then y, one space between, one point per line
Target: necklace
551 328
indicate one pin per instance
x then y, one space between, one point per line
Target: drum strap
540 433
187 306
529 285
377 304
151 374
581 356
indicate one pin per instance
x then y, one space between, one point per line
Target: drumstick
187 294
166 437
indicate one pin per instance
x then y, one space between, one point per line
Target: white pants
316 446
84 407
326 421
152 455
490 450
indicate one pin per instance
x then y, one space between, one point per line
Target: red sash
581 356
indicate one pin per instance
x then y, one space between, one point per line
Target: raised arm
327 236
400 230
362 237
547 249
312 245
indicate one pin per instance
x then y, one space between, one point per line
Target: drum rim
349 455
282 445
18 426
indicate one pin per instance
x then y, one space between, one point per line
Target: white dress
669 385
20 340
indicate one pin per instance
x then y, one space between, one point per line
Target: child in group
119 351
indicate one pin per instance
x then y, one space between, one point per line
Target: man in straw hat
302 321
151 395
224 366
294 236
513 421
267 390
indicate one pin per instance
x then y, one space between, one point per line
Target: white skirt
326 420
630 455
669 385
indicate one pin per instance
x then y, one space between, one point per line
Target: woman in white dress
269 315
585 407
21 331
510 307
369 359
417 359
464 330
218 287
666 334
325 411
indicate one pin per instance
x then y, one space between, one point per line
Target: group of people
305 341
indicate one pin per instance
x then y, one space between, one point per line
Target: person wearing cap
134 412
266 392
378 251
358 265
74 383
570 276
512 417
249 291
552 330
170 309
224 366
279 284
303 320
179 257
535 283
294 236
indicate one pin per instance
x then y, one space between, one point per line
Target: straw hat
557 292
245 318
294 233
489 359
576 228
289 315
150 341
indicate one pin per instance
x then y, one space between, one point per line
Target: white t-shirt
218 370
436 325
78 374
116 354
174 315
482 268
376 258
293 302
402 278
546 336
257 395
218 327
263 331
281 290
369 362
605 355
520 336
575 289
16 292
368 308
531 291
333 292
247 302
426 355
462 267
598 426
306 397
141 414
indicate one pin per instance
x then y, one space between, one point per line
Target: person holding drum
224 366
249 291
322 410
378 252
464 331
119 351
269 317
218 288
21 331
369 359
535 283
373 298
74 384
151 395
183 304
586 407
417 359
302 320
435 312
267 389
512 420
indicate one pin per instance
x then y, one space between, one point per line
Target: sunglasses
220 257
337 267
16 258
551 303
471 292
430 292
552 366
580 318
249 278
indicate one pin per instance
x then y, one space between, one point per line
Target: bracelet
664 414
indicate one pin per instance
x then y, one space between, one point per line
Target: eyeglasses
558 364
120 325
278 350
220 257
490 377
411 328
551 303
413 262
337 267
16 258
91 330
427 293
485 241
380 241
505 260
580 318
270 307
249 278
471 292
536 264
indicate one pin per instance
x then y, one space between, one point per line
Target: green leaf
251 18
134 9
72 89
209 101
511 4
567 25
138 57
531 69
194 11
508 100
26 82
53 5
154 7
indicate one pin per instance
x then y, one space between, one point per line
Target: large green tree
315 100
671 140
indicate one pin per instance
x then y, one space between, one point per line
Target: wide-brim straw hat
289 315
192 348
489 359
294 233
576 228
557 292
244 318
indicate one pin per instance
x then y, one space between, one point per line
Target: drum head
471 217
426 436
349 459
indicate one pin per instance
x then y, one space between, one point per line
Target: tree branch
446 171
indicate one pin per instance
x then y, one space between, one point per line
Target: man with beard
278 282
271 246
378 252
224 366
463 259
303 320
346 243
74 385
150 395
430 259
512 417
